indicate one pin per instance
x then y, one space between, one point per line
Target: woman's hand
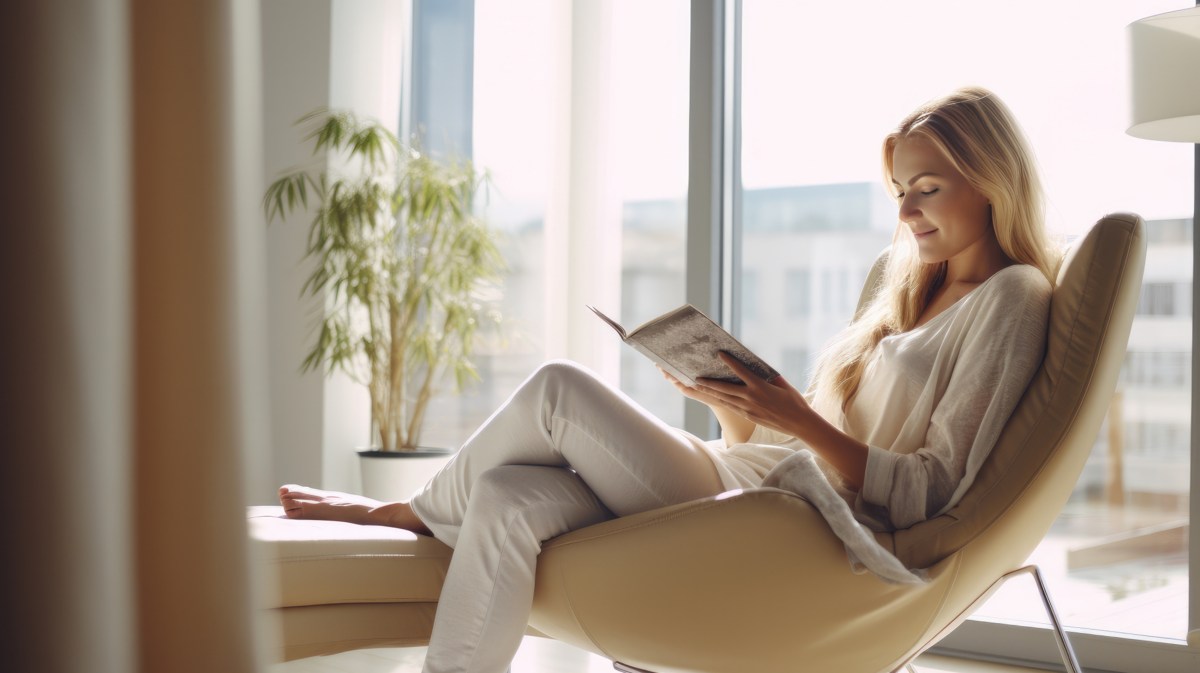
777 405
773 404
696 393
735 428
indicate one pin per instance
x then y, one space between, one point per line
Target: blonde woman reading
905 403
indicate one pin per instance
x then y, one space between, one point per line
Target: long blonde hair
976 131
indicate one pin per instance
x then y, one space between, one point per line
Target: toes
294 501
293 510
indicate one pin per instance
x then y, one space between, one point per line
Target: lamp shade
1165 76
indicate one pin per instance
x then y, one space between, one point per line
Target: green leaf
399 252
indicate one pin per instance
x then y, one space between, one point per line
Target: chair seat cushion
330 562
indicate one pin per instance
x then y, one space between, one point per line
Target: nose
908 208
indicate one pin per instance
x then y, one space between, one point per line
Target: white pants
565 451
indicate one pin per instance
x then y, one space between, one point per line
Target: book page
611 323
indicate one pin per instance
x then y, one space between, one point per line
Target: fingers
724 388
713 396
748 376
671 379
683 388
743 372
701 393
752 400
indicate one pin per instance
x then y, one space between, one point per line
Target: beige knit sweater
930 406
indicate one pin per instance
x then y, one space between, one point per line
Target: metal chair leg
1060 634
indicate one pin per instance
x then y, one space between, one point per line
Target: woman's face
950 219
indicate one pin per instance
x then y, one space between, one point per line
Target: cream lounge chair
755 580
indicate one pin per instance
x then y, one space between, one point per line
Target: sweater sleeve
998 351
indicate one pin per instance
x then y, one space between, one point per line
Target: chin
930 258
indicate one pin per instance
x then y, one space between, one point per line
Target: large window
580 112
823 83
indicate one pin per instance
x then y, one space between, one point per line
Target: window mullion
710 177
1194 502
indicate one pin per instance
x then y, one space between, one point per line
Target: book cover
685 343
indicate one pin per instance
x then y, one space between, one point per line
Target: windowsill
999 640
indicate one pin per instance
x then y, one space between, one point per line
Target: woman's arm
777 405
735 428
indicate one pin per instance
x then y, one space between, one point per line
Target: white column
346 54
295 81
583 222
365 71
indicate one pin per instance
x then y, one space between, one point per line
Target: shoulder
1019 281
1015 299
1020 276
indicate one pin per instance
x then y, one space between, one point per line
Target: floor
539 655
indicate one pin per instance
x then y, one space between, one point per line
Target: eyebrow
916 177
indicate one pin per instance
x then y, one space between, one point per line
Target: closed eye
900 195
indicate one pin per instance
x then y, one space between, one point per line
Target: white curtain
130 388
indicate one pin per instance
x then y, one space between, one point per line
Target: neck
978 262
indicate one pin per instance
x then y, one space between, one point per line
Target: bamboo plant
404 262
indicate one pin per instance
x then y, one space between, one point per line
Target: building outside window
798 294
750 294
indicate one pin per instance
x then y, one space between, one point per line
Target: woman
905 403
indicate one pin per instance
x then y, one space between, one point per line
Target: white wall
364 76
295 45
338 54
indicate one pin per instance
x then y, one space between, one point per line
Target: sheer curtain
129 383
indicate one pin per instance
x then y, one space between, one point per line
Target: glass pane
818 97
650 92
512 60
626 77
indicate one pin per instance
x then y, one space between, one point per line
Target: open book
685 343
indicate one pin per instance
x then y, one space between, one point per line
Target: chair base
1070 662
1060 634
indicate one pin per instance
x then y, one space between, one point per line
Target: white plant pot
392 476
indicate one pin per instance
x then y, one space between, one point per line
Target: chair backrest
1040 454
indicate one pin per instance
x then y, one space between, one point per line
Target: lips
923 234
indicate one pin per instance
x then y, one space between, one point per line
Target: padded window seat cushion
330 562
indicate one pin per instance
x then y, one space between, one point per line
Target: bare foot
302 502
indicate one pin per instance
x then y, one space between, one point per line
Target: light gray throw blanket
800 474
